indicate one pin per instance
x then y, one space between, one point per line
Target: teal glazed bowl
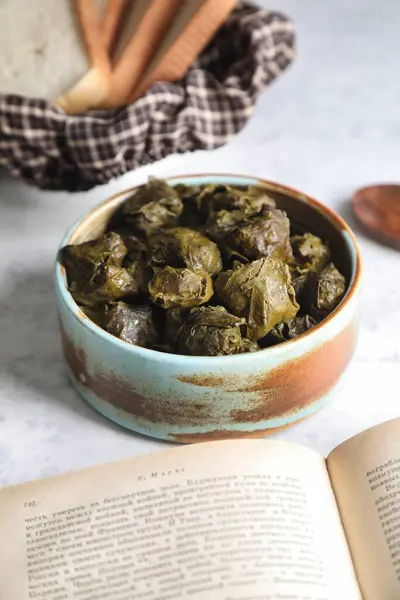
191 399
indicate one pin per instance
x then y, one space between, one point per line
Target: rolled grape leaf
289 330
163 246
135 263
326 291
214 198
155 215
260 292
299 279
180 288
248 346
110 283
259 197
210 331
229 208
133 324
153 191
250 201
97 314
153 206
222 223
188 192
310 252
267 234
191 214
310 256
174 319
184 247
136 249
84 261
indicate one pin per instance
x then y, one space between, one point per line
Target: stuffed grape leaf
210 331
290 330
152 206
310 256
191 214
110 283
261 292
180 288
133 324
259 197
188 192
136 263
299 280
150 278
214 198
310 252
326 291
250 201
266 234
174 319
97 314
222 223
84 261
95 274
153 191
184 247
247 345
252 236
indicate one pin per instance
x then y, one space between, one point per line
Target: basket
46 148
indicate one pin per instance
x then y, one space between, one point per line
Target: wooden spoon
94 87
377 208
193 29
139 51
111 21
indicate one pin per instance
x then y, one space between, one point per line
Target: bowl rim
168 357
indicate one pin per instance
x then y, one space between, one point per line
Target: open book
229 520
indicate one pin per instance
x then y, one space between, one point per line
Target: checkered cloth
51 150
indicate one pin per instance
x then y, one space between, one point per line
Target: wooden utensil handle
140 49
111 21
92 34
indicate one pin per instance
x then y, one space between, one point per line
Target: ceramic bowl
189 399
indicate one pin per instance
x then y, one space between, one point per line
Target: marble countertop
328 126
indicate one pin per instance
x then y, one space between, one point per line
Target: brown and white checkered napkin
51 150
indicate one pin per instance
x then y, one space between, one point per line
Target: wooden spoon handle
175 62
111 21
93 89
141 48
92 35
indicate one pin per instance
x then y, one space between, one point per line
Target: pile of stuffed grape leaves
207 270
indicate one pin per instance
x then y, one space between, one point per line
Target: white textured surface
329 126
40 48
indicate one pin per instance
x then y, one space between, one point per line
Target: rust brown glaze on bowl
190 399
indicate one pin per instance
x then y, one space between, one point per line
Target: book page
240 520
365 474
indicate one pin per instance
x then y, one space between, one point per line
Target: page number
30 504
